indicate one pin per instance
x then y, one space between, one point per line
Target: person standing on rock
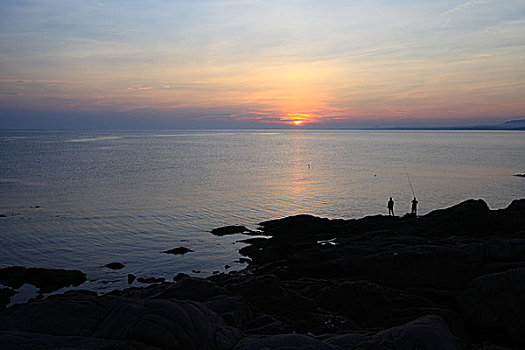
390 207
414 206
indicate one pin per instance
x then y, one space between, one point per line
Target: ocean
82 199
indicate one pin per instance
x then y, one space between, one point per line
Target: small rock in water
230 230
179 250
180 276
243 261
115 266
519 175
151 279
196 271
48 280
227 266
131 278
215 272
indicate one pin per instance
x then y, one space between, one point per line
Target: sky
249 63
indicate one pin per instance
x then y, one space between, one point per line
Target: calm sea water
82 199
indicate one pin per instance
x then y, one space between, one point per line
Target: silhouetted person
414 206
390 207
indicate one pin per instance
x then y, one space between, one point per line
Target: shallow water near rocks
82 199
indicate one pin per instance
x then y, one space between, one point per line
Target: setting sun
298 122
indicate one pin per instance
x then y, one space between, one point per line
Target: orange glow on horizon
298 122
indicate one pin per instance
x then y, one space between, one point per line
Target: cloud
140 88
464 6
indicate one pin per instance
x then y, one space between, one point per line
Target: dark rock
179 250
3 216
230 230
243 261
282 342
48 280
466 209
151 279
196 271
180 276
350 340
233 309
131 278
227 266
427 332
517 205
168 324
5 296
191 288
519 175
115 266
24 340
382 272
215 272
495 304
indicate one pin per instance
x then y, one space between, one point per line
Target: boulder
283 342
172 324
428 332
14 340
180 276
495 304
48 280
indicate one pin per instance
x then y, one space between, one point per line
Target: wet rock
519 175
5 296
191 288
131 278
115 266
179 250
180 276
47 280
150 280
230 230
243 261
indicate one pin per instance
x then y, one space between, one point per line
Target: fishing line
410 183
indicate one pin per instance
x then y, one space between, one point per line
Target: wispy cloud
464 6
139 88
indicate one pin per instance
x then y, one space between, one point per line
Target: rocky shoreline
451 279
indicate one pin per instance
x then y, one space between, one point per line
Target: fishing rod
410 183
